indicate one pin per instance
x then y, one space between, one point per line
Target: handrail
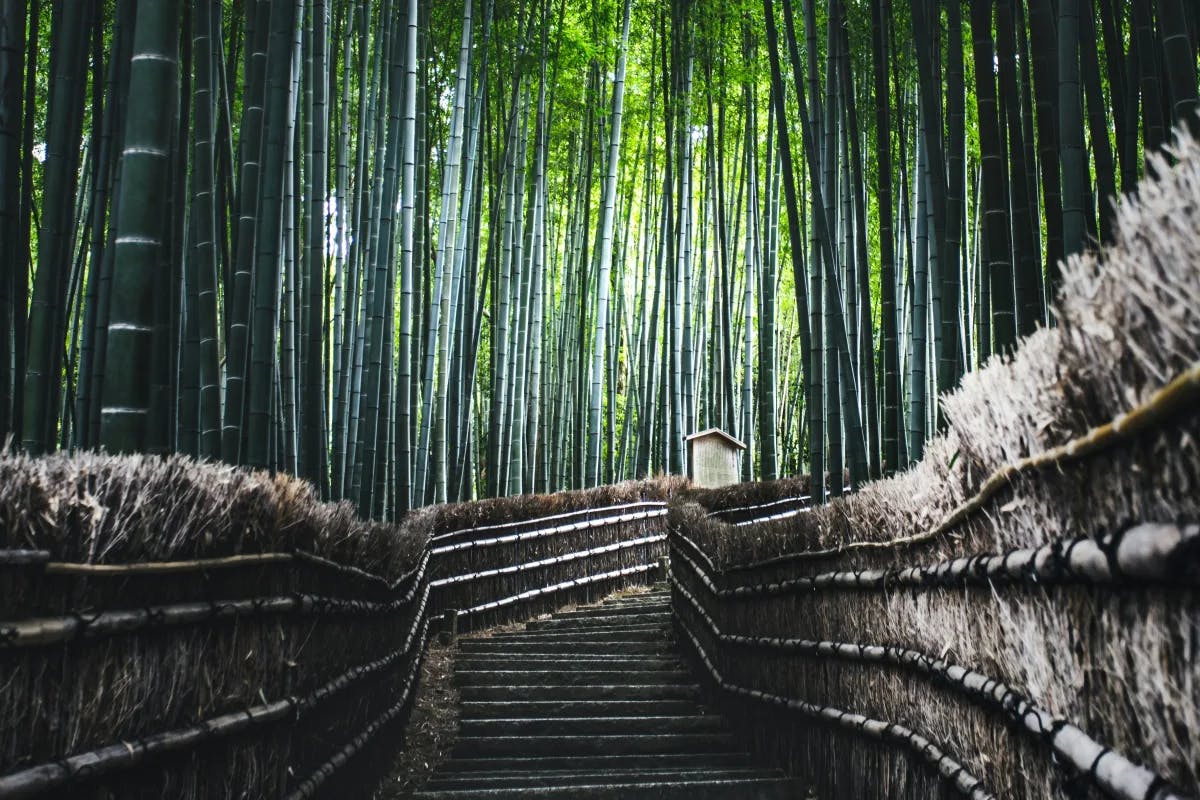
562 515
950 768
599 522
558 587
782 501
1145 553
54 775
547 562
1142 551
1181 394
42 559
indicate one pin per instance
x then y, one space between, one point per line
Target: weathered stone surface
592 703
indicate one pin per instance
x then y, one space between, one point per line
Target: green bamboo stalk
141 237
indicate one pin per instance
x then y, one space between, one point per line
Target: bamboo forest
594 399
419 251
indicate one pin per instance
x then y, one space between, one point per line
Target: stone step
713 789
616 646
499 780
600 621
615 630
500 709
593 745
582 692
662 601
605 763
567 677
521 661
596 703
634 599
600 612
583 726
632 633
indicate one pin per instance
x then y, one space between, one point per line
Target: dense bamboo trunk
605 258
141 239
997 243
47 314
12 268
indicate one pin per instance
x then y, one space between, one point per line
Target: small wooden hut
713 458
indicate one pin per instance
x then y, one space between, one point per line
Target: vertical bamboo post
450 626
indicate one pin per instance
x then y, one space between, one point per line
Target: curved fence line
41 559
312 784
558 587
44 631
751 509
1146 553
564 515
921 746
599 522
96 763
548 562
1115 775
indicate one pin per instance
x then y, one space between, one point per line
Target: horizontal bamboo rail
1147 553
549 562
96 763
475 531
50 778
41 560
572 527
44 631
558 587
921 746
312 784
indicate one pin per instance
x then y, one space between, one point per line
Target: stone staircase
592 703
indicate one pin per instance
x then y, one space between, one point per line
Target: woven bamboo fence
173 629
1018 615
510 559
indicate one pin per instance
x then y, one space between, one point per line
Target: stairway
592 703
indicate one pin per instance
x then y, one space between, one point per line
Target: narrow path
592 703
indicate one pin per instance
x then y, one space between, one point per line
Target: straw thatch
1104 648
499 510
182 643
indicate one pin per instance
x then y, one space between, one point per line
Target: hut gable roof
716 432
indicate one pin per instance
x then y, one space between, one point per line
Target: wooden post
450 626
